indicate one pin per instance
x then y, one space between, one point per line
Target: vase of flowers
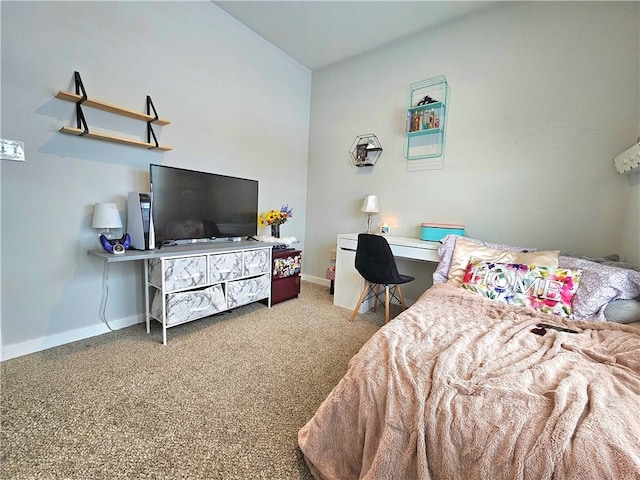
275 218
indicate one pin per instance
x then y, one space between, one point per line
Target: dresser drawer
241 292
179 273
225 266
256 262
185 306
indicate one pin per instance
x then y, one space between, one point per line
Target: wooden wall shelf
112 138
107 107
83 100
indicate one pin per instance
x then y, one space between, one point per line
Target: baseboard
316 280
327 283
44 343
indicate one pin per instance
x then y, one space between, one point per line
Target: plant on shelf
275 218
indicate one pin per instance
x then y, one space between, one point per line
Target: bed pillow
549 290
600 285
448 244
465 250
623 311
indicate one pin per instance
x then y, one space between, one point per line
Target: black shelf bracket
81 122
151 106
150 132
79 86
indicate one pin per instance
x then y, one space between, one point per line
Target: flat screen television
190 206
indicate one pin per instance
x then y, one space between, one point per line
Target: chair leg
364 294
404 307
386 304
375 302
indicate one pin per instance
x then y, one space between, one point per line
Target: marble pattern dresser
188 287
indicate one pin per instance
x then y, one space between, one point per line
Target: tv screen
191 206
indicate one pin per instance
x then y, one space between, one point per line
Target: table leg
146 294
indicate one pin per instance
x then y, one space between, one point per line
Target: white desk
349 284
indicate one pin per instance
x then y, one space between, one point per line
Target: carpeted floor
223 400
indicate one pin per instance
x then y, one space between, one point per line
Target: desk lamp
105 217
370 206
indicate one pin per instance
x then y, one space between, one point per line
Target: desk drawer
415 253
402 247
347 243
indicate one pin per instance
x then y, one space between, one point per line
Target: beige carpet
223 400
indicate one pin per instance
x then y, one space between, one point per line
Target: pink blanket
458 387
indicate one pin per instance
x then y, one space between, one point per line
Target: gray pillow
623 311
600 285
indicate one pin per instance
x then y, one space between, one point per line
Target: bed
468 385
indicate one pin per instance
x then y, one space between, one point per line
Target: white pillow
445 252
466 249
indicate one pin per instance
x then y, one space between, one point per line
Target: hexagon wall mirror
365 150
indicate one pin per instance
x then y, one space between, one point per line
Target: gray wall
543 96
238 106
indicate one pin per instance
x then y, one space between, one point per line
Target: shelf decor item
426 121
365 150
275 218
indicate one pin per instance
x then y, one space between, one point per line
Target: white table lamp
105 217
370 206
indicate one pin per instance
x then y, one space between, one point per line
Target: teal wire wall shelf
426 116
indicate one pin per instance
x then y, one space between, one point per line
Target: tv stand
188 282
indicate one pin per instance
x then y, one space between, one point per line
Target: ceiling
318 33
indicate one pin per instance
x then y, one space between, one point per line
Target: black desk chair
375 262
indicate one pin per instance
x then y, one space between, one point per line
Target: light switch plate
11 150
628 162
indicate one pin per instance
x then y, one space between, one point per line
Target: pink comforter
458 387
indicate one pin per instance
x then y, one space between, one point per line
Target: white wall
543 96
238 106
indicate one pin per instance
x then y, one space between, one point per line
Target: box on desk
434 232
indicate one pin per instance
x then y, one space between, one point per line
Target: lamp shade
370 204
106 215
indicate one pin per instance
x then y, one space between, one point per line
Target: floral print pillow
545 289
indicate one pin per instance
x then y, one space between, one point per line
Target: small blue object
434 232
